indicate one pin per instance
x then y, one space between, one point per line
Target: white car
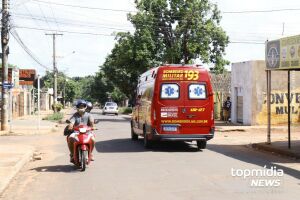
110 108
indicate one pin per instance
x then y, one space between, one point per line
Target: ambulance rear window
197 91
169 91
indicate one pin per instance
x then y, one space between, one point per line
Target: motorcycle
83 146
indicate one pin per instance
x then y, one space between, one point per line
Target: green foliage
126 63
85 87
125 110
166 31
58 106
54 117
64 84
182 31
72 90
96 88
117 95
91 88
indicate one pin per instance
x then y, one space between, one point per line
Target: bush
126 110
54 117
58 106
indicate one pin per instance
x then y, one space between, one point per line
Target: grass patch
54 117
125 110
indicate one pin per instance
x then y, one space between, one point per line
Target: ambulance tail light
212 115
154 115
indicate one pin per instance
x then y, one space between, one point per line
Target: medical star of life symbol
169 91
198 91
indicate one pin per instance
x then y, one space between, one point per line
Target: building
249 99
23 96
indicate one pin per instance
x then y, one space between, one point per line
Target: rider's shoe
92 157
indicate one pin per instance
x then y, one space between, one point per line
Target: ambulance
174 103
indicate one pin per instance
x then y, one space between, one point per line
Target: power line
120 10
54 17
261 11
25 15
26 49
246 42
36 21
44 15
79 24
64 31
19 4
101 34
21 15
250 36
84 7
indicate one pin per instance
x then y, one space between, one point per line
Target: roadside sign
283 53
8 85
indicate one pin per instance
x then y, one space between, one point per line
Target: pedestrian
227 110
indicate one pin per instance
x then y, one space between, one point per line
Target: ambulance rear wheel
201 144
147 143
133 135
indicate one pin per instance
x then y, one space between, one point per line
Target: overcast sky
246 30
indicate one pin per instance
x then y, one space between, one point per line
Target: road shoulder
13 158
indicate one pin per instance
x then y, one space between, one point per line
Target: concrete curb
12 171
270 148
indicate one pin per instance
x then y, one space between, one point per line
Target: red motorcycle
83 146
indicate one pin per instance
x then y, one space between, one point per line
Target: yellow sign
279 108
197 109
180 75
283 53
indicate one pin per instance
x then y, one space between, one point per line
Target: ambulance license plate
170 128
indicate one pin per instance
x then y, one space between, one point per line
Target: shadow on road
128 146
122 120
241 153
56 168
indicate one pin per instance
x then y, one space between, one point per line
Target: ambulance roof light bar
183 65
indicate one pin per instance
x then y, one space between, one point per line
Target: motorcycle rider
81 117
89 107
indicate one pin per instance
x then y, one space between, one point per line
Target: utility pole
55 71
5 51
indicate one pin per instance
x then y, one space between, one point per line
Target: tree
129 58
101 87
166 31
117 95
64 84
71 90
182 30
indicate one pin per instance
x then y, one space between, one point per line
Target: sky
88 34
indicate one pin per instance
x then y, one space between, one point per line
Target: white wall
241 84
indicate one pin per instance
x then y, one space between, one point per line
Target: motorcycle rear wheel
84 155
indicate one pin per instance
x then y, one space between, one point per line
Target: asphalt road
123 169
